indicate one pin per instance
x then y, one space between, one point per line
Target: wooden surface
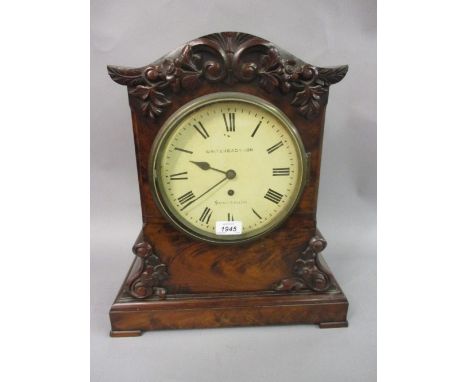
171 264
214 310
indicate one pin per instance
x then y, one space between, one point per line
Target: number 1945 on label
228 228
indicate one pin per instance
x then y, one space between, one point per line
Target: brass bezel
173 121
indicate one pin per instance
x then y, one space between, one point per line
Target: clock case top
176 264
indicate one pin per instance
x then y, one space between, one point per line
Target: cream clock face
227 168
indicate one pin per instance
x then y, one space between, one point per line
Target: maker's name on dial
229 150
217 202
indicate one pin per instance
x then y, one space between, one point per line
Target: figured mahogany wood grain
202 267
334 314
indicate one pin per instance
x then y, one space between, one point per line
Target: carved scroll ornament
151 272
308 272
228 57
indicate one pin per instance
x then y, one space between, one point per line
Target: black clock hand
230 174
206 166
194 200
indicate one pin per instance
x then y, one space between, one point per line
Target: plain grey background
325 33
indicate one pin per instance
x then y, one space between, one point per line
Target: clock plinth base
130 316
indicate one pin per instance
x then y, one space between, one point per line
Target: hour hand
206 166
230 174
202 165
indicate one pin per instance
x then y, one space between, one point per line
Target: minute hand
194 200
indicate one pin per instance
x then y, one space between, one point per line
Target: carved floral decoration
228 57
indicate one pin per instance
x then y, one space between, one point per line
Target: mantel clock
228 136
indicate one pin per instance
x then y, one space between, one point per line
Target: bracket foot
125 333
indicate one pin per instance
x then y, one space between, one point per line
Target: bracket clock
228 133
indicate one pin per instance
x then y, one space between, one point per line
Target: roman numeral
186 198
230 217
256 213
281 171
274 147
231 126
183 150
206 215
179 176
273 196
255 130
201 130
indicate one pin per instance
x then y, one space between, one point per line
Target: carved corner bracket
308 272
151 272
228 57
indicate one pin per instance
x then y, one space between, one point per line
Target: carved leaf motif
188 61
219 58
268 81
331 76
126 76
140 91
271 70
153 101
308 100
158 98
301 98
271 60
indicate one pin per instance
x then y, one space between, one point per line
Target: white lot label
228 228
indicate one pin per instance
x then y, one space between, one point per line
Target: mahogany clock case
176 281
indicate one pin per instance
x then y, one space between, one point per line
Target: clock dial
227 158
